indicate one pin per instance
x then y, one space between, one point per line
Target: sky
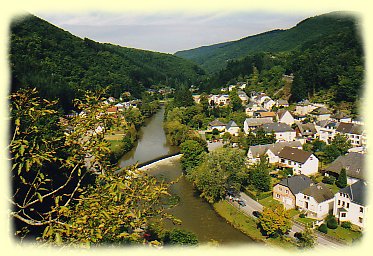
171 32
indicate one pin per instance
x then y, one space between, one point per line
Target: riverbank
163 161
248 225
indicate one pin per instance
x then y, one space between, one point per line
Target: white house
251 108
316 201
284 116
350 204
270 150
232 128
282 131
304 107
268 103
354 132
216 124
326 130
302 162
282 103
243 96
321 113
252 123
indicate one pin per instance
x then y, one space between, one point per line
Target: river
195 213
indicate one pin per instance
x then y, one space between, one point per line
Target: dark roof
296 183
356 192
275 148
353 163
277 127
339 115
282 102
320 111
231 124
216 122
294 154
304 103
350 128
309 127
319 192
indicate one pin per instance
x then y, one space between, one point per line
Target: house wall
272 158
287 118
284 196
234 130
322 117
285 136
221 128
308 168
314 210
356 213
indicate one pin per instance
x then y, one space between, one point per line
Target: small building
284 116
270 150
354 132
112 110
267 114
350 204
216 124
321 113
268 103
243 96
280 103
286 190
340 117
304 107
302 162
232 128
353 163
251 108
282 131
253 123
326 130
316 201
307 131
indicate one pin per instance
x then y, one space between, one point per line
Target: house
221 99
243 96
316 201
112 110
326 130
251 108
321 113
307 131
340 117
268 103
354 133
196 98
286 190
271 150
353 163
252 123
216 124
267 114
280 103
282 131
304 107
350 204
284 116
302 162
232 128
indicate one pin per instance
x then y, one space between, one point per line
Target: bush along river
195 213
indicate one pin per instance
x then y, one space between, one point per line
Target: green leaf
40 197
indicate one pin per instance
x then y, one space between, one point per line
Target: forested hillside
215 57
62 65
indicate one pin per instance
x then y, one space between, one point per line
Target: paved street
252 205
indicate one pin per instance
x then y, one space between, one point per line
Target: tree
180 237
259 175
275 220
331 222
342 179
337 147
307 238
183 97
235 101
63 182
192 154
219 171
323 228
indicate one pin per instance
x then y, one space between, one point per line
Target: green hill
215 57
62 65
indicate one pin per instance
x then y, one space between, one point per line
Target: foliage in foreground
62 181
275 220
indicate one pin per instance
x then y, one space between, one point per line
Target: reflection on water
196 214
152 142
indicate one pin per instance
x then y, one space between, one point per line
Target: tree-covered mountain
62 65
215 57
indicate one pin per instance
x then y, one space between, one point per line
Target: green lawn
268 201
248 225
344 234
306 221
115 144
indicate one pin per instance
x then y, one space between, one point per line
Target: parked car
241 202
257 214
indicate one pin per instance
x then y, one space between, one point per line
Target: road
252 205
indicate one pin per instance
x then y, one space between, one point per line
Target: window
348 205
277 196
339 202
343 203
343 214
360 220
287 191
361 209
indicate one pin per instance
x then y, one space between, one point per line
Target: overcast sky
171 32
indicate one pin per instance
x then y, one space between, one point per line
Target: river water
195 213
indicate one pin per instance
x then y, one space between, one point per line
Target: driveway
252 205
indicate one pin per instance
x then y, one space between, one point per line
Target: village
301 178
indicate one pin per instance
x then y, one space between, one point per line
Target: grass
344 234
268 201
248 225
306 221
115 145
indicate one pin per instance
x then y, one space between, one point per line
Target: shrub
328 180
332 222
302 215
346 224
323 228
